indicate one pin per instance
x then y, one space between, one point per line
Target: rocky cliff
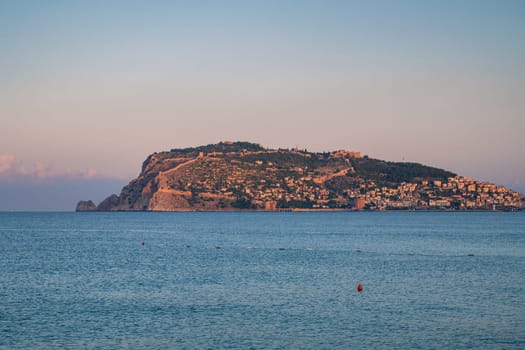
242 175
86 206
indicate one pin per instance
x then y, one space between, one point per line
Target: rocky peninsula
245 176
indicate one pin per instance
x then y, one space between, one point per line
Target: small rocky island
246 176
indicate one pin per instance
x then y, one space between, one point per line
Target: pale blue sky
89 88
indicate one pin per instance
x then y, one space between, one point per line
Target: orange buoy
359 287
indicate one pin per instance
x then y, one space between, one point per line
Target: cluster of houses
456 193
266 186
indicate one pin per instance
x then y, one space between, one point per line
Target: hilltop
243 175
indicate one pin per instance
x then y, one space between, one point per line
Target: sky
88 89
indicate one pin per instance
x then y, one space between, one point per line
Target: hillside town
307 191
252 183
245 176
457 193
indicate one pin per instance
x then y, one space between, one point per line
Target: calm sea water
262 280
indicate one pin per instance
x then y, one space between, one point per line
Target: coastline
313 210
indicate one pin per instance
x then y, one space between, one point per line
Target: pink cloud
90 174
6 162
11 169
43 171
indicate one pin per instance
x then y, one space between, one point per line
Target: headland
231 176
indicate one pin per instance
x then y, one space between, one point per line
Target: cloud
14 170
6 162
41 186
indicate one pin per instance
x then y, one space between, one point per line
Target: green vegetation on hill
389 173
238 146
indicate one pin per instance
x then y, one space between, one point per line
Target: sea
253 280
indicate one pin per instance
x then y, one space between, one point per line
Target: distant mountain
243 175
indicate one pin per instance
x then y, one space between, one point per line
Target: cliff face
240 175
86 206
109 203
